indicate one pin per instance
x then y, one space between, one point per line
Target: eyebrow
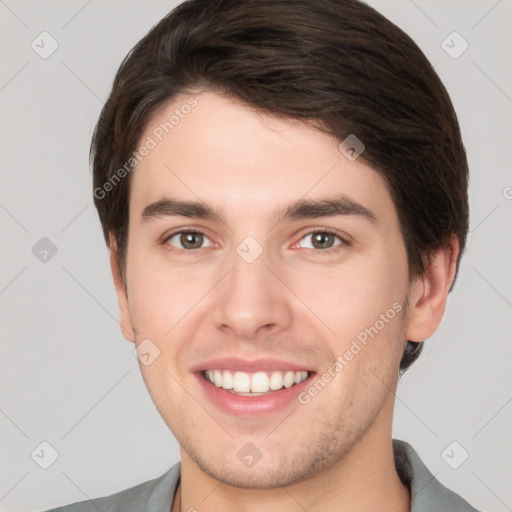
299 209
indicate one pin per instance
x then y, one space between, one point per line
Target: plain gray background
68 376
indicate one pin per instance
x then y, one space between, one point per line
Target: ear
125 320
430 291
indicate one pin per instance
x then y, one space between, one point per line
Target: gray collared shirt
157 495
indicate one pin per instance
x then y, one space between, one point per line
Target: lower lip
248 406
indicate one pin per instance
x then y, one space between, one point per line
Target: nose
251 301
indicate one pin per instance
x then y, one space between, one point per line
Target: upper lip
249 366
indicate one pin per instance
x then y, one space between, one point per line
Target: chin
273 471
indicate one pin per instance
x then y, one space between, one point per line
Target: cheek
350 299
168 394
161 295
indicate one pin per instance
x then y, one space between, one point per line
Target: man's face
263 296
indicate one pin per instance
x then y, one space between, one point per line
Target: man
283 189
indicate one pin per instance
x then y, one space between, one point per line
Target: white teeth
276 381
289 379
241 382
259 382
300 376
227 380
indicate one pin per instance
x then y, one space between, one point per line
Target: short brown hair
338 62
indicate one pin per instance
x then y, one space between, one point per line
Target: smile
252 388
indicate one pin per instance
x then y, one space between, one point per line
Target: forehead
208 148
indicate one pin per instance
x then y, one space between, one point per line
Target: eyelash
332 250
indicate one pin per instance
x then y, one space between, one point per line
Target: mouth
250 389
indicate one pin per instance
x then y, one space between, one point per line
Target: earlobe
429 293
124 314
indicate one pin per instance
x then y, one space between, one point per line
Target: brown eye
187 240
322 240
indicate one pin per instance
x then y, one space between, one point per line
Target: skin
294 302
